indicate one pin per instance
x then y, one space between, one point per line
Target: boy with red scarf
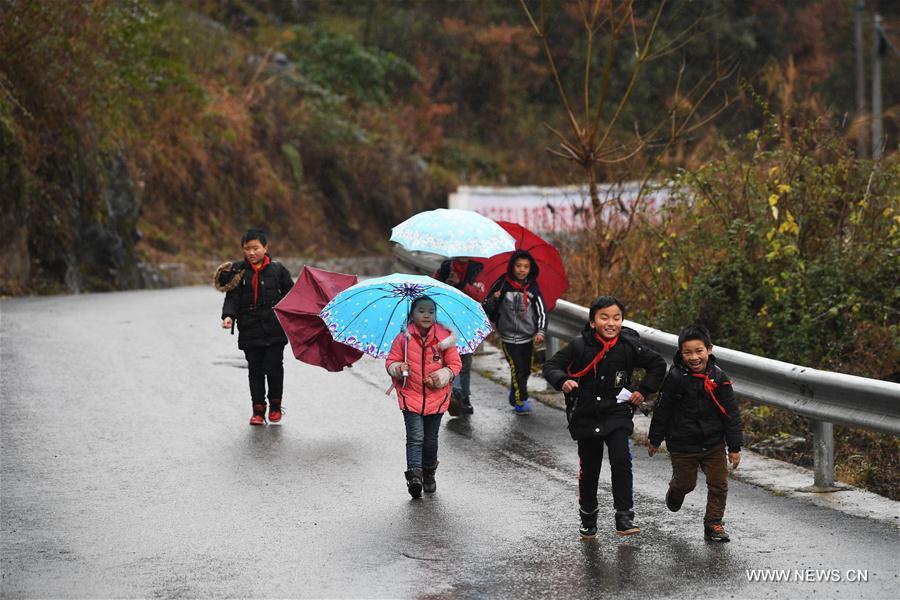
514 303
697 415
256 286
594 370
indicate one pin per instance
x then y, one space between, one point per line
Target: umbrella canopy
298 313
552 277
452 232
369 315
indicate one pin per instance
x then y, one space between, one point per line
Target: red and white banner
548 209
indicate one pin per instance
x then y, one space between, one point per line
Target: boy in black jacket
595 372
254 286
697 415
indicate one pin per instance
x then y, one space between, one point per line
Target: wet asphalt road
129 470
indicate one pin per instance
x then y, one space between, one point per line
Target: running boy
422 363
514 303
462 273
255 286
595 370
697 416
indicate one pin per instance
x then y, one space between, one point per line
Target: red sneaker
275 414
259 415
275 410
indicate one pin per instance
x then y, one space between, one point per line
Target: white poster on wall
552 209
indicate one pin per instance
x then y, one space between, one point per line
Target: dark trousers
519 358
264 364
461 382
714 465
421 439
590 455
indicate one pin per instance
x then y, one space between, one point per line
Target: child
514 303
697 415
461 273
254 287
594 370
422 364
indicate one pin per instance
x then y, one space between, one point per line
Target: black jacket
592 409
686 417
257 324
473 270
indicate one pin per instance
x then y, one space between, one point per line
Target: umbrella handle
405 352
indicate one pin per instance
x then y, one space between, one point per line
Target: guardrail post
551 343
823 459
823 453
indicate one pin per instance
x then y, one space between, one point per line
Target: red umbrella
552 278
298 313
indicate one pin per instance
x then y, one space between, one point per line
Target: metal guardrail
822 396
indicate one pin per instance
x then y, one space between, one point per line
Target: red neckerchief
256 269
520 287
460 269
710 386
607 346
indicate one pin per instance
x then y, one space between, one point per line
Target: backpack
229 275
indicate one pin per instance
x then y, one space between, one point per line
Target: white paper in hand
623 396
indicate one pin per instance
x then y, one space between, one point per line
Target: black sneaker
588 529
465 407
715 532
455 404
671 503
624 524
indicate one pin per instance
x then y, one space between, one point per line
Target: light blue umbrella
369 315
453 232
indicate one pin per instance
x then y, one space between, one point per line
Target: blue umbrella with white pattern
369 315
453 232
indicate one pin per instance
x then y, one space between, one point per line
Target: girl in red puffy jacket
422 363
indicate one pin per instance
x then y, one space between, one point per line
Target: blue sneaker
524 408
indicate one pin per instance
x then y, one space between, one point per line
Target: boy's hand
735 459
226 323
539 339
651 450
452 278
569 385
636 399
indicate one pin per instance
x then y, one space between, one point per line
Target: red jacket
436 351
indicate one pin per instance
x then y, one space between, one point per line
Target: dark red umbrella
298 313
552 278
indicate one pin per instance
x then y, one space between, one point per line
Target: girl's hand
651 449
497 295
226 323
539 339
569 386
